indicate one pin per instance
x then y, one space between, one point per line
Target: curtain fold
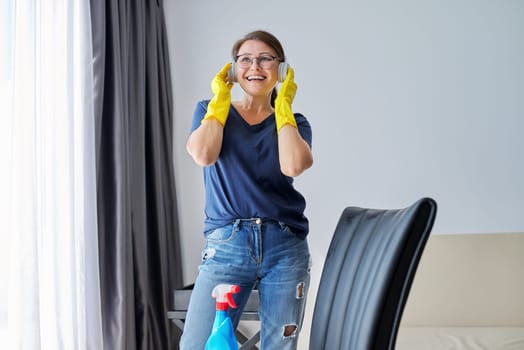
53 298
137 215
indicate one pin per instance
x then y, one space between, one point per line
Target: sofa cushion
460 338
469 280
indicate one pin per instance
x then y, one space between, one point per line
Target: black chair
367 276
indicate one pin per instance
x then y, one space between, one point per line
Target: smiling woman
250 150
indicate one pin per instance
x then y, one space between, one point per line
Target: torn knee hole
300 290
290 330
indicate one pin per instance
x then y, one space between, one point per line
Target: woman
255 227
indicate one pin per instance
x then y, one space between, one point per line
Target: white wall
406 99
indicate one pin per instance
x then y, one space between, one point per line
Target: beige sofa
468 293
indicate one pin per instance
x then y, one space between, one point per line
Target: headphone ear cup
282 71
231 73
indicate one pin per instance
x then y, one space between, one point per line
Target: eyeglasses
264 61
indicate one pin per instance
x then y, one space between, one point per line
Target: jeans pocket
223 245
222 234
288 230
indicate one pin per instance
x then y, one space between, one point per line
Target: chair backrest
367 275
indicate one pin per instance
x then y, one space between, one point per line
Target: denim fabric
246 253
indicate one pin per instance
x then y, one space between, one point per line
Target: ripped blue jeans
249 252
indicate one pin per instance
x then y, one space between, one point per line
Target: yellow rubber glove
218 107
286 94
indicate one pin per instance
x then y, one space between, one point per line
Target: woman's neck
255 105
253 110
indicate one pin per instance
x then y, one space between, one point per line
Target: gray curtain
138 230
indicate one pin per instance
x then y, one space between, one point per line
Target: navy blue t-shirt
246 181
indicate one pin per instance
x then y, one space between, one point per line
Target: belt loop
236 223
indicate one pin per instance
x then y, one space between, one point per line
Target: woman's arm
205 142
294 153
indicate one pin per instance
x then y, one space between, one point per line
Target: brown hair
267 38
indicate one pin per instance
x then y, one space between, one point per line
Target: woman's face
257 68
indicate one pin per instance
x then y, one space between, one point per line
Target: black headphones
282 72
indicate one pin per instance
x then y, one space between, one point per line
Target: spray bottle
223 336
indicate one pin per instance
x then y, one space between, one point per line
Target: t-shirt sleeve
198 115
304 128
